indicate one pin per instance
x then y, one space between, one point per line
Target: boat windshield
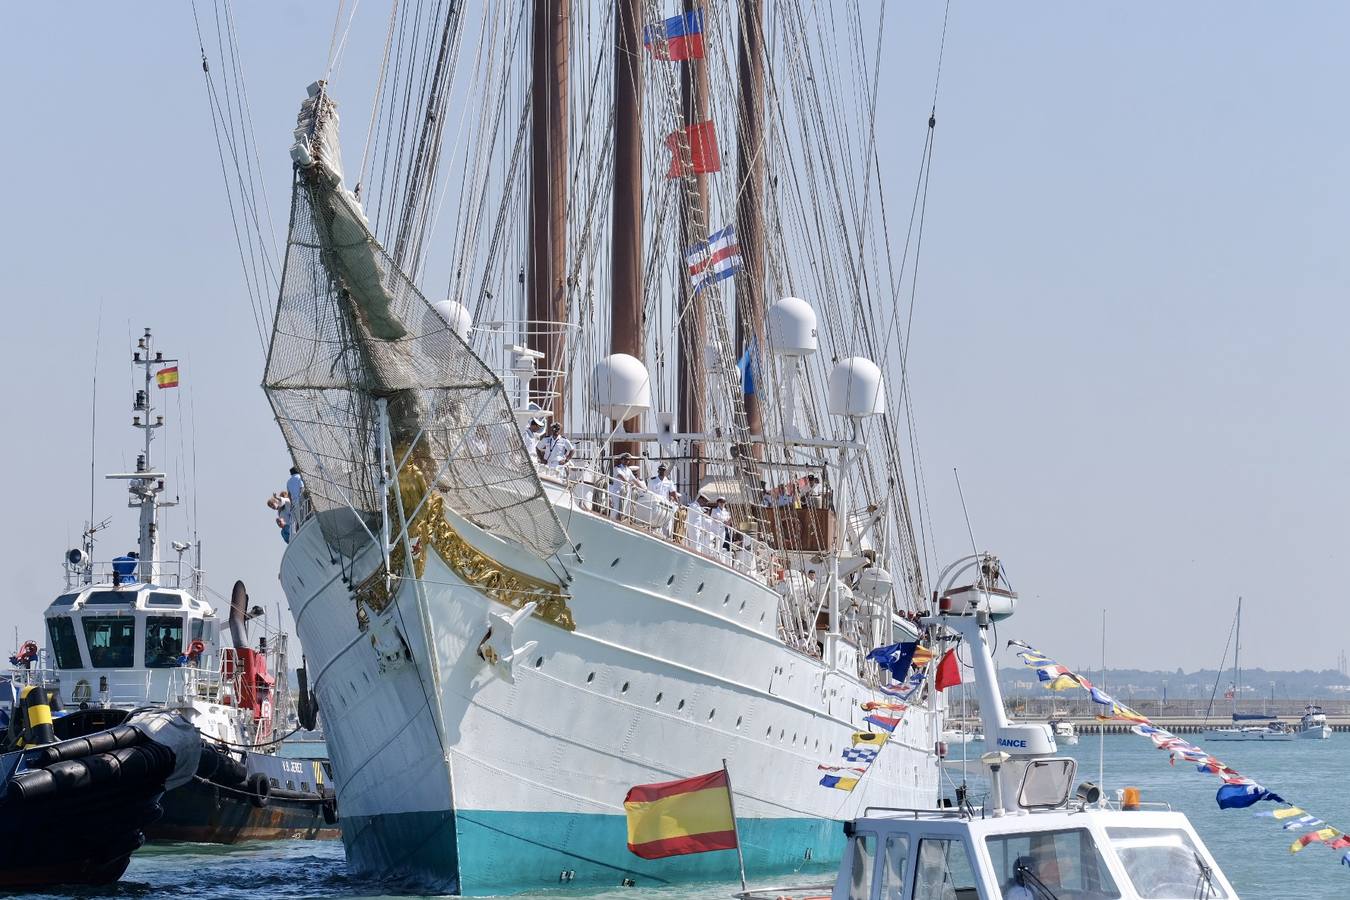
111 641
1060 864
62 633
1163 864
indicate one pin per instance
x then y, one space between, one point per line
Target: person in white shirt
620 478
555 451
531 435
811 496
295 489
659 484
721 516
696 524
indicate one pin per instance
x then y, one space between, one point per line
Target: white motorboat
1064 731
1040 837
1313 725
956 737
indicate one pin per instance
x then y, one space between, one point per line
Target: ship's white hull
1315 733
447 772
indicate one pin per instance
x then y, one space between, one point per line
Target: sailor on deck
659 484
531 434
555 451
621 477
721 527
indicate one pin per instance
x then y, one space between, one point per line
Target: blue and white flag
860 754
896 658
1240 795
714 259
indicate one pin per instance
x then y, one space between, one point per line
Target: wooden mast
546 303
692 365
626 331
750 315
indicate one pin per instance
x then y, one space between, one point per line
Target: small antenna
93 433
974 548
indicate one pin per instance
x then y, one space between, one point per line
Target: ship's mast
546 302
145 484
750 195
626 329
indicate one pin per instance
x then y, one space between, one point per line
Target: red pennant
703 156
948 671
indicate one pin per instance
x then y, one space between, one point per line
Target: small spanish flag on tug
692 815
167 377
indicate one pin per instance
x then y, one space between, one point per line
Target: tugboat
1313 726
76 795
133 633
1039 836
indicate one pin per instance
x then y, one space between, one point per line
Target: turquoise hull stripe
489 852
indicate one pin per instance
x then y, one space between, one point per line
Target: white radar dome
623 388
792 327
857 389
452 313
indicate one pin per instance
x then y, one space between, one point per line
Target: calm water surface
1252 851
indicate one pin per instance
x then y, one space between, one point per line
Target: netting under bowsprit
352 329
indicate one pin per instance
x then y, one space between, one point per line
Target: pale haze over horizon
1130 333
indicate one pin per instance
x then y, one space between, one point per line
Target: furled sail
351 331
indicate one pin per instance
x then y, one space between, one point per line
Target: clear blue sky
1130 333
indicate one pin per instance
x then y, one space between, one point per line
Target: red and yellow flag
692 815
167 377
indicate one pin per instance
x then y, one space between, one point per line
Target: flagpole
731 800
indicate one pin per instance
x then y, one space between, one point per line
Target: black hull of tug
206 813
226 803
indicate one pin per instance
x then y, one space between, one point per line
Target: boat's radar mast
969 610
145 485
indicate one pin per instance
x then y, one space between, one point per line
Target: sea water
1253 851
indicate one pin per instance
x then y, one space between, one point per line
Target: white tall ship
504 637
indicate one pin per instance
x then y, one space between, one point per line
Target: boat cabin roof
109 598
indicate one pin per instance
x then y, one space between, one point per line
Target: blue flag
1240 796
746 365
896 658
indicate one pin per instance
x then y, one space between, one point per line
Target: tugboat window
110 598
62 632
163 641
158 598
111 641
1066 862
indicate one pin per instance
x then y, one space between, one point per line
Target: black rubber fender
259 789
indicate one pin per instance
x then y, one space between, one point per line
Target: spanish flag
922 657
167 377
692 815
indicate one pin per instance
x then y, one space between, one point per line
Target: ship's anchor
498 648
391 649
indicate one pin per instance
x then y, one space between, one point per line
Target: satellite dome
623 389
857 389
452 313
792 327
874 583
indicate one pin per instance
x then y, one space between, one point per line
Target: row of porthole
660 695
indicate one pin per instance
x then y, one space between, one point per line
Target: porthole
624 689
616 562
742 609
727 599
738 723
670 581
539 662
711 713
768 732
794 738
659 695
680 705
700 588
780 735
761 617
590 678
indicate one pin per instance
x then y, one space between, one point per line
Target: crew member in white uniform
531 435
696 524
295 489
555 450
721 533
659 484
620 478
